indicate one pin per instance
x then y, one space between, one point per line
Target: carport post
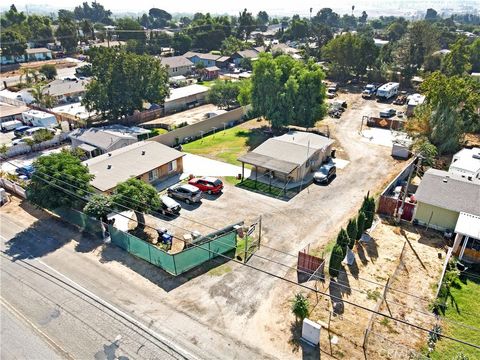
270 182
285 187
243 170
256 174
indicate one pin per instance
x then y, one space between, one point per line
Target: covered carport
467 239
268 165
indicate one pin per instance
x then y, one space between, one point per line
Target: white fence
13 188
25 149
11 101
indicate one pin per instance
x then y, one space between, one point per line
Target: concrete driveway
202 166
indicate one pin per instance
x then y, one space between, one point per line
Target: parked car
21 141
388 113
325 174
20 131
26 170
10 125
187 193
169 206
209 185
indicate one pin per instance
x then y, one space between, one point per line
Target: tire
187 201
209 192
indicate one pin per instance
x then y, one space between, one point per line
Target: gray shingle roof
449 191
63 87
129 162
205 56
175 61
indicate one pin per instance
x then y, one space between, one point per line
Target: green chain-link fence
84 222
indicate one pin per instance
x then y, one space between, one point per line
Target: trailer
10 125
388 90
39 118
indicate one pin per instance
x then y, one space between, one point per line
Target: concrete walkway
202 166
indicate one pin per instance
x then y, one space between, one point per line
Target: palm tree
29 74
41 98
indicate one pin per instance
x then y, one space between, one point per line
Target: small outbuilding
289 157
185 98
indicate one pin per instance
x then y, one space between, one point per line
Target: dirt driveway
248 304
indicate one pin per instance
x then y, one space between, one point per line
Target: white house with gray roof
177 65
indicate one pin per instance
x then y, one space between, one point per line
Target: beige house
177 65
149 161
448 201
290 157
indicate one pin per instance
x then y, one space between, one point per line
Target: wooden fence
392 124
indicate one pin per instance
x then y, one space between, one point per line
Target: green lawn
467 299
262 188
226 145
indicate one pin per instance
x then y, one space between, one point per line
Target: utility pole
400 210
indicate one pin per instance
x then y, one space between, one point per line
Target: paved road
19 340
45 276
63 320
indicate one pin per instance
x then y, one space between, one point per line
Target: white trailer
10 125
388 90
39 118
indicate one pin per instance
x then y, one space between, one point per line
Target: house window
153 175
172 166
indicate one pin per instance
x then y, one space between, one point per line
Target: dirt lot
59 63
191 116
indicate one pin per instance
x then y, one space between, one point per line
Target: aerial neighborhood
198 182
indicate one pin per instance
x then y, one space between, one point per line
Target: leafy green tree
98 206
360 224
475 55
181 43
60 180
428 151
87 28
67 34
41 98
95 13
396 30
40 29
160 18
352 232
231 45
300 307
66 14
298 29
136 31
13 43
246 64
336 258
343 240
369 211
328 17
49 71
286 91
224 94
123 81
457 62
246 24
431 14
139 196
262 18
12 17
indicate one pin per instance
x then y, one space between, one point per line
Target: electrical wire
287 280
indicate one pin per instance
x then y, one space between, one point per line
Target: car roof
189 187
210 178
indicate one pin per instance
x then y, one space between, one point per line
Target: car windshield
217 182
323 170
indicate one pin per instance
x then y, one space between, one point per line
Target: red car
207 184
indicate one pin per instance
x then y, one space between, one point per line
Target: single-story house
206 59
211 72
466 163
177 65
279 48
38 54
289 157
11 112
185 98
101 140
66 91
223 62
149 161
448 201
244 54
34 54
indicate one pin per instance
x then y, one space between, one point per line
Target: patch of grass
220 270
226 145
373 295
262 188
465 312
241 243
232 180
157 131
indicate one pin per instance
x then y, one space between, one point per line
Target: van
11 125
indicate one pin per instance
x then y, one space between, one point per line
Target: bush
343 241
360 224
42 135
49 71
352 232
300 306
336 258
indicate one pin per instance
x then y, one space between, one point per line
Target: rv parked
387 91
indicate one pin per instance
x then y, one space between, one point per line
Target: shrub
49 71
360 224
352 232
300 306
343 241
336 258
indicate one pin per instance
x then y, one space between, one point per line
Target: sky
274 7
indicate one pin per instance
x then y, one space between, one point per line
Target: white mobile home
388 90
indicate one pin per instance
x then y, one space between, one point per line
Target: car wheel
209 192
187 201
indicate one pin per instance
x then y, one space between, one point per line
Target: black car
325 174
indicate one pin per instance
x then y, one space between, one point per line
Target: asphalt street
47 316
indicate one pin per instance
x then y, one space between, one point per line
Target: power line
259 256
290 281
